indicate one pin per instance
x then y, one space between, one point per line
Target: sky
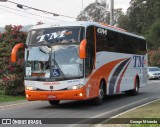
10 14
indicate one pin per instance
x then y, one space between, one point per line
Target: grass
145 125
7 98
151 110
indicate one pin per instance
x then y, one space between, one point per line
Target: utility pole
111 12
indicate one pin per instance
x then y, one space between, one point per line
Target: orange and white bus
81 61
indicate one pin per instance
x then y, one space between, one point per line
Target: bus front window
38 63
66 59
54 62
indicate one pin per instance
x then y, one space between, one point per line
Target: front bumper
154 77
78 94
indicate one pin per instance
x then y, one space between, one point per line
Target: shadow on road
87 104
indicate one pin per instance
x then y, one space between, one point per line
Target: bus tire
134 91
54 102
99 99
127 92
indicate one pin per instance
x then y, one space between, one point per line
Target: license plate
51 96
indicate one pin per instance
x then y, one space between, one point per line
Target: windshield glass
55 35
54 62
154 69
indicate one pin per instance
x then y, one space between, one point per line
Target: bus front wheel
54 102
99 99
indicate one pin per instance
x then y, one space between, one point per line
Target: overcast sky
65 7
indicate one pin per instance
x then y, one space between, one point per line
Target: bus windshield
54 62
55 35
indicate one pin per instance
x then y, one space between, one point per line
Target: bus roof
84 24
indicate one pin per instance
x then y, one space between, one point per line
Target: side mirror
82 49
14 51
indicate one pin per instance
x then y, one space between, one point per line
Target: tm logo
138 61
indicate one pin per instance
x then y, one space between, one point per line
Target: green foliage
123 22
143 18
11 73
94 12
153 36
6 98
141 15
144 125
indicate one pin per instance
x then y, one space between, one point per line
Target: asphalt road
112 105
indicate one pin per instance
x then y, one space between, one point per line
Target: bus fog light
75 87
27 96
80 94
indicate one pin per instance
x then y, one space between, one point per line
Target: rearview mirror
82 49
14 51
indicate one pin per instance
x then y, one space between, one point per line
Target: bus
82 61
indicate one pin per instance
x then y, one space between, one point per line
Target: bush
11 73
154 57
15 88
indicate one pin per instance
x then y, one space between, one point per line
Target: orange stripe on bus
101 73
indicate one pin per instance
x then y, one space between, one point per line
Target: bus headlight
75 87
31 88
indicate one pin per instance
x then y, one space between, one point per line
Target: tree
11 73
117 14
135 17
123 22
153 36
140 19
96 12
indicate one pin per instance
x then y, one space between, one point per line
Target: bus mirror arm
82 49
14 51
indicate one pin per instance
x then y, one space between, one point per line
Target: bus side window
106 42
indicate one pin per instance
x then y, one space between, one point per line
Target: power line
30 13
20 15
47 12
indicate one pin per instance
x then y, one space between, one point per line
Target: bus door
90 58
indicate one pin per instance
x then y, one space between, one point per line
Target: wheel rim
101 92
137 87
